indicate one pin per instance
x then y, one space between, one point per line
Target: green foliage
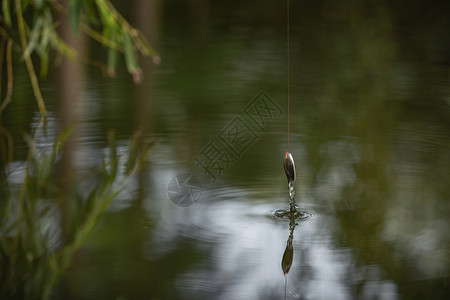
75 10
38 35
34 252
5 11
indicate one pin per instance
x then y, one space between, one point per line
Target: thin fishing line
285 286
288 72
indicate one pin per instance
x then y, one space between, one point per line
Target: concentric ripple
287 214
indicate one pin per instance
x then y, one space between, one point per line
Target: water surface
370 134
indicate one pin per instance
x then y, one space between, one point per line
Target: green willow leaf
35 34
133 153
6 15
105 13
112 62
46 33
62 139
44 64
112 55
130 54
65 49
75 9
90 12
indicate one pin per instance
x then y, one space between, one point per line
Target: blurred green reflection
370 115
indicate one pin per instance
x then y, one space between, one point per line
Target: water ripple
287 214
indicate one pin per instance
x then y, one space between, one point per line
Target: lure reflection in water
289 169
293 215
288 255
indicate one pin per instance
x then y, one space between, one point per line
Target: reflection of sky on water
242 247
369 134
246 246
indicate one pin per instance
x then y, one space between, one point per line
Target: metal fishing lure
289 169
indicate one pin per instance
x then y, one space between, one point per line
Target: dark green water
370 134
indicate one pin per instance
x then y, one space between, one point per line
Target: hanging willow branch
39 38
9 72
29 63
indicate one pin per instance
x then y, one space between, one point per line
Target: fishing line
288 72
285 286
